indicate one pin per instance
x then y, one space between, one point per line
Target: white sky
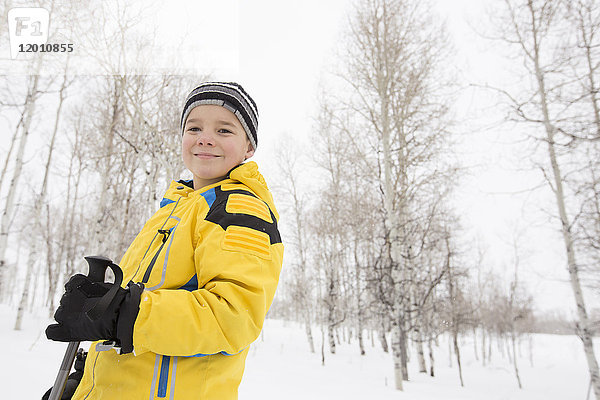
279 50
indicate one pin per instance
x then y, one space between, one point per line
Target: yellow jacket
210 261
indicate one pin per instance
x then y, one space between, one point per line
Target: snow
280 364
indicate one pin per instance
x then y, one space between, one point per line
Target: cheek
228 146
186 142
241 150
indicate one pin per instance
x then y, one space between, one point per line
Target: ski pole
97 269
63 372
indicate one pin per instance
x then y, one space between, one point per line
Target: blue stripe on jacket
209 196
164 377
164 202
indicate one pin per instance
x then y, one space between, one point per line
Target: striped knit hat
230 95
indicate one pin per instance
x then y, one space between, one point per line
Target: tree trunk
431 360
514 351
391 224
25 294
404 349
361 345
489 353
450 351
330 331
585 329
457 352
10 150
455 319
309 336
420 351
97 244
475 343
66 254
51 266
483 347
9 207
40 200
383 340
322 345
397 353
12 274
359 304
35 288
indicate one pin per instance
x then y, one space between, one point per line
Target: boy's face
213 143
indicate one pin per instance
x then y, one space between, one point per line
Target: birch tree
393 52
536 29
296 204
36 86
329 218
39 201
459 310
28 110
583 127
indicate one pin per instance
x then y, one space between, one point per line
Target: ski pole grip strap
105 301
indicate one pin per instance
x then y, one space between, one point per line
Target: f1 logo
27 25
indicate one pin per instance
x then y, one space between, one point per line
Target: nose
205 138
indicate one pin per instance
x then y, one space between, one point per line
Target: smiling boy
213 143
209 261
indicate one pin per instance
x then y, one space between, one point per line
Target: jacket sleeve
238 260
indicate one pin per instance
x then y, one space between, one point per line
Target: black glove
116 323
74 378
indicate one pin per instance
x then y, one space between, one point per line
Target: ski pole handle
63 372
97 270
97 266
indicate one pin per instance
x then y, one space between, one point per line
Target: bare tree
537 28
458 307
39 201
513 300
296 203
31 98
393 52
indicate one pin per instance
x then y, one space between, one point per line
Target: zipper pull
165 233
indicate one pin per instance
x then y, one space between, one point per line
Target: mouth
205 155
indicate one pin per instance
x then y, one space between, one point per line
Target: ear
249 151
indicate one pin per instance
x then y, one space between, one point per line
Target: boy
202 271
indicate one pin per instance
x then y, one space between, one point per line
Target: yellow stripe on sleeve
242 204
247 240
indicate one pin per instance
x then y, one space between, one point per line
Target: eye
193 129
223 130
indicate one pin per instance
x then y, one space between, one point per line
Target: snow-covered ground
280 366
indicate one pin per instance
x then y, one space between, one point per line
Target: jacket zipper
165 233
163 376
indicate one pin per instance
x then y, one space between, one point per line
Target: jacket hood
248 174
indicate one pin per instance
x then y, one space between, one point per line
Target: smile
205 155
